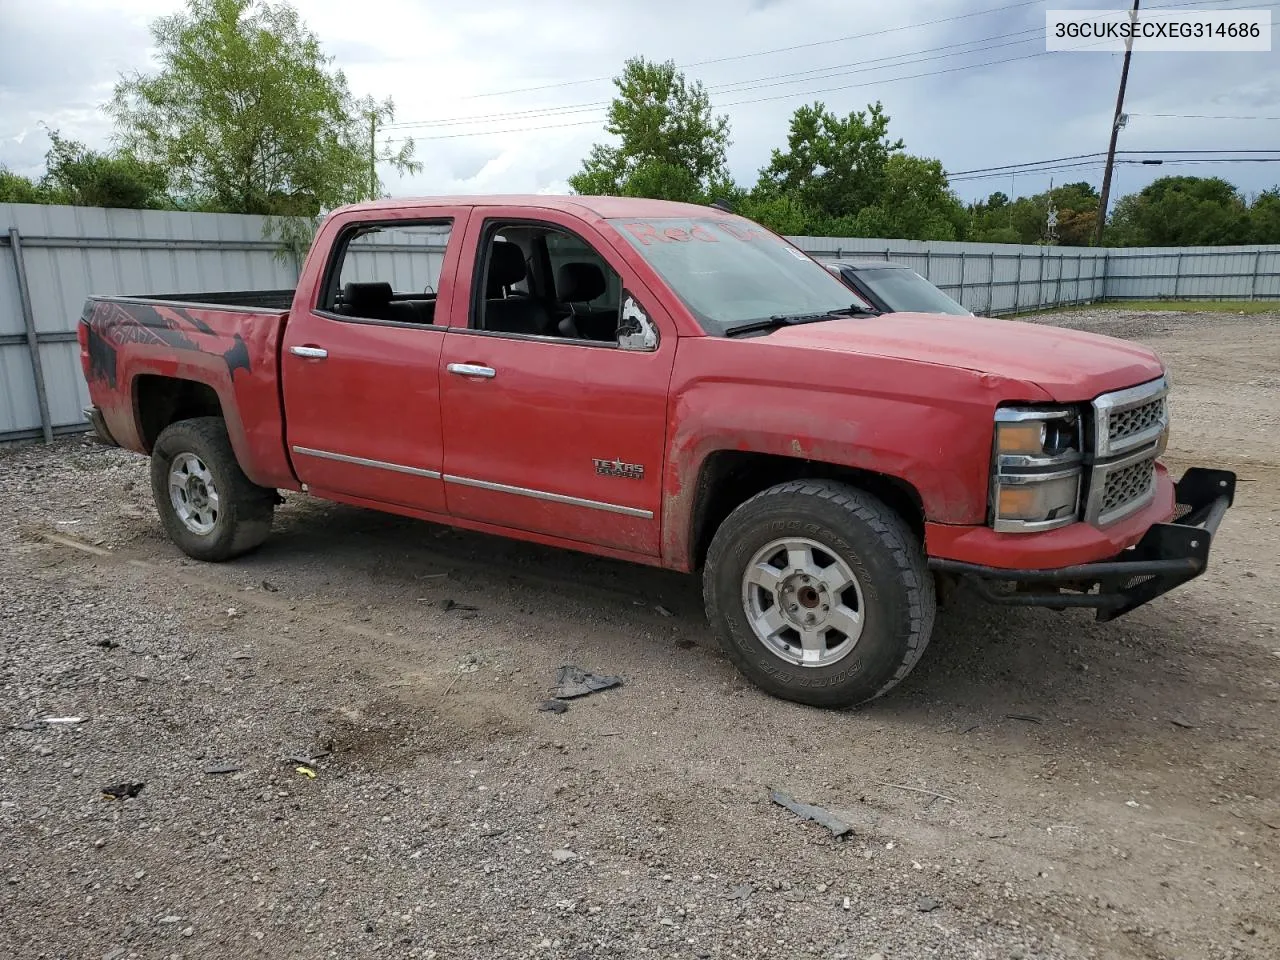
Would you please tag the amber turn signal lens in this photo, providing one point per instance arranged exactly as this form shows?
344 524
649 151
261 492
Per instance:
1025 438
1018 502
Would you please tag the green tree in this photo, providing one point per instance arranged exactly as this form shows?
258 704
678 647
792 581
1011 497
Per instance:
915 203
1181 211
1025 220
15 188
90 178
245 114
671 146
1264 217
832 166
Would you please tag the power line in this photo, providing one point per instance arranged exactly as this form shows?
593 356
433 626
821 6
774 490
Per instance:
1199 116
753 83
1099 164
550 112
765 53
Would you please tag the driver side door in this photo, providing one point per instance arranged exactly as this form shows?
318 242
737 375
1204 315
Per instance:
552 432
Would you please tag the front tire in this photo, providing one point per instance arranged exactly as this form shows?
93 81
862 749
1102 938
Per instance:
819 593
208 506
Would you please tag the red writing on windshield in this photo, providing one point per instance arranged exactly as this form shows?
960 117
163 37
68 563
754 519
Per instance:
648 233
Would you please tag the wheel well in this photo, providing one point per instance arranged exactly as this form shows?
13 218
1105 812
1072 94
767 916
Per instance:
731 477
160 401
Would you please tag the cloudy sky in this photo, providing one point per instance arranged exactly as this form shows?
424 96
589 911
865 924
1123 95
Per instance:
508 95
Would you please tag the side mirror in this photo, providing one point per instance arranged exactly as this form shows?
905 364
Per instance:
636 332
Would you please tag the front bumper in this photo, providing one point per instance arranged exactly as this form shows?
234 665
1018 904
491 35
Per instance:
1167 556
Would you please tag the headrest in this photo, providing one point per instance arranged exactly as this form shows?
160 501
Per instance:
365 296
506 264
579 282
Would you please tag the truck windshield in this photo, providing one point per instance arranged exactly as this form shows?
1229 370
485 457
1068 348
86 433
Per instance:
729 271
907 292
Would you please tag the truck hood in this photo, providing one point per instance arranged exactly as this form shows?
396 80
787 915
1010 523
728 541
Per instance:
1068 364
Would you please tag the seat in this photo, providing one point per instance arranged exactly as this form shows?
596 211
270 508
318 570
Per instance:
368 300
503 311
577 284
374 301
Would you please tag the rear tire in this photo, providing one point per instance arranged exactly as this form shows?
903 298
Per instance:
208 506
819 593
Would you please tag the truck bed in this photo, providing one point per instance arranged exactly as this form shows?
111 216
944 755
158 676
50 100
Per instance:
205 354
262 299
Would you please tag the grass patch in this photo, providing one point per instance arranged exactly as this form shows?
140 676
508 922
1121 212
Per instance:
1177 306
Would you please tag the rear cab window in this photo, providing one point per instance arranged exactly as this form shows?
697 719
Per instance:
386 272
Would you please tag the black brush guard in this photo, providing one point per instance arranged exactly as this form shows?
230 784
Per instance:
1167 556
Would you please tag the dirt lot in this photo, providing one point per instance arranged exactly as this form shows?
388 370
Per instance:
1110 790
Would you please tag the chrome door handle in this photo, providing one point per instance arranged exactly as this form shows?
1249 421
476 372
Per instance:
472 370
311 353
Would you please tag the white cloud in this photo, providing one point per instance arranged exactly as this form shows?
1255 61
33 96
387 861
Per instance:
445 62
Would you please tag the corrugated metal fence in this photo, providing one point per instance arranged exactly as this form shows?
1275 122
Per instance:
52 258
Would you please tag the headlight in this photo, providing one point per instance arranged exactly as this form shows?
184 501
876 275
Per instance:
1036 469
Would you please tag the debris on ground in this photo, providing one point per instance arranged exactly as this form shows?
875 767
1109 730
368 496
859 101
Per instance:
306 771
106 643
552 706
927 904
65 721
1029 718
1184 724
450 604
663 610
563 856
807 811
216 769
122 791
575 682
270 587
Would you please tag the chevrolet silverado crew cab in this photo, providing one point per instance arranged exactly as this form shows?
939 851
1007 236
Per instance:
673 385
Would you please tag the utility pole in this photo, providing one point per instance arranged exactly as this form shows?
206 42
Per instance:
373 156
1116 123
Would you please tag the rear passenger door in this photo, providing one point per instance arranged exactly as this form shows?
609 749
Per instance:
360 366
550 427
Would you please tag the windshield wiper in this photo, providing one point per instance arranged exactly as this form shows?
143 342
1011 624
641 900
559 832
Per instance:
794 319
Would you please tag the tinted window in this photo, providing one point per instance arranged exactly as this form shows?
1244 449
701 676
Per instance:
728 270
388 272
905 291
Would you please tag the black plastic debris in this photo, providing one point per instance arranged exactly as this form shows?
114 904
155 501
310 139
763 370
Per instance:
123 791
215 769
450 604
819 815
552 706
576 682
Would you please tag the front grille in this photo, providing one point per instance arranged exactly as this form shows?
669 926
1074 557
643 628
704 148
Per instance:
1128 423
1126 485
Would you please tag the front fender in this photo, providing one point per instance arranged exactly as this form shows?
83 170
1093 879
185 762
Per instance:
925 425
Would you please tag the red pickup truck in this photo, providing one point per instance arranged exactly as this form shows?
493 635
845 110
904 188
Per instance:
674 385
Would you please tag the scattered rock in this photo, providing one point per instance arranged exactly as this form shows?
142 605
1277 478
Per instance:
122 791
552 706
575 682
820 815
563 856
927 904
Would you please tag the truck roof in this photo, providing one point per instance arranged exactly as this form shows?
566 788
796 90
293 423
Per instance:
607 207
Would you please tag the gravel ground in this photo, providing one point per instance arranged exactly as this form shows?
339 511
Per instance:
390 789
